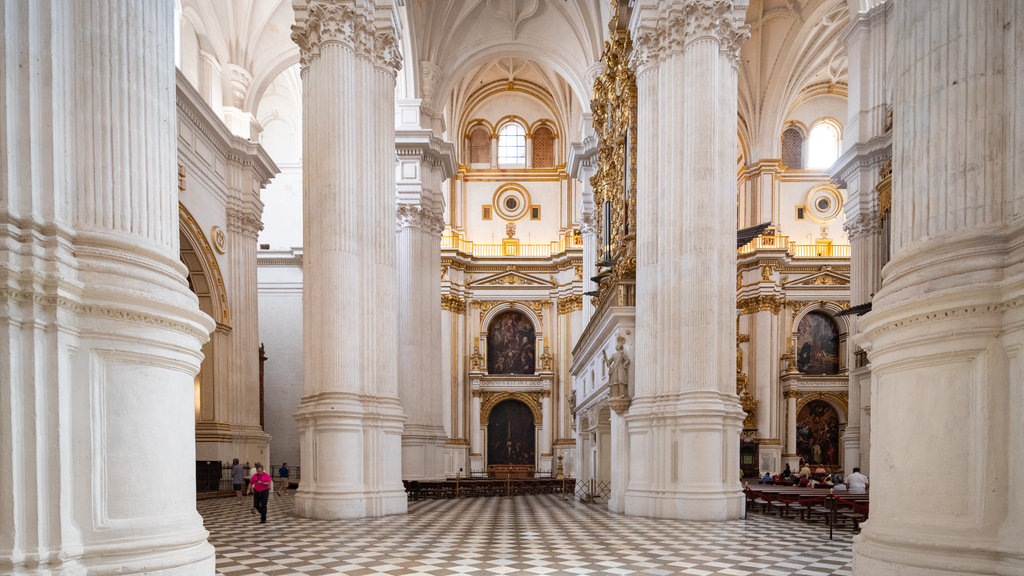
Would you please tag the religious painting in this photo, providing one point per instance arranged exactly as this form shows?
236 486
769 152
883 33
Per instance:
511 345
817 344
510 435
817 434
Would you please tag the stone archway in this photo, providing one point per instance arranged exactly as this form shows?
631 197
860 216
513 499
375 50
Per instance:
511 436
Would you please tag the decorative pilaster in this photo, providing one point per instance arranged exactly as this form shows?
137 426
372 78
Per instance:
946 329
350 419
249 442
685 421
101 336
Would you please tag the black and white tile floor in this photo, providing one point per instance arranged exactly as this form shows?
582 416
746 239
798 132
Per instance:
528 535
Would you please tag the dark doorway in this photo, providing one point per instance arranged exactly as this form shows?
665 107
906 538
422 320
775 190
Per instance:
510 435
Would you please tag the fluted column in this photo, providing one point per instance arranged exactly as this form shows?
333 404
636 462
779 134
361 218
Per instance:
101 336
947 327
685 420
420 385
791 457
350 419
249 442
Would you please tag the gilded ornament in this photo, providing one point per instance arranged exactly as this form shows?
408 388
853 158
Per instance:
453 303
760 303
488 400
570 303
219 239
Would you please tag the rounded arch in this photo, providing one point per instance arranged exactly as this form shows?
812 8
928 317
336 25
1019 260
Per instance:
818 342
511 345
531 399
820 420
497 309
835 124
197 243
836 400
478 122
512 119
543 123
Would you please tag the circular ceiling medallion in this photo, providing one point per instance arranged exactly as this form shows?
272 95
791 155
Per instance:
511 202
824 203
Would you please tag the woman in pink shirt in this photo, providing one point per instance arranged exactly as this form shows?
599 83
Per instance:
260 488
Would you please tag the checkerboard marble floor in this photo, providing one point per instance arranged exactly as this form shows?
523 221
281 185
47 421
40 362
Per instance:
528 535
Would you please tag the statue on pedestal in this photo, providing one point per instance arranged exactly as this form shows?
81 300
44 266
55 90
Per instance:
618 373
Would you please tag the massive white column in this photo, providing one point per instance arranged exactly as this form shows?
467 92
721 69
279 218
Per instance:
867 143
947 328
424 162
685 420
350 419
101 337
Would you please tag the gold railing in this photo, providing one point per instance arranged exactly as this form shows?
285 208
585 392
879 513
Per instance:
820 249
509 248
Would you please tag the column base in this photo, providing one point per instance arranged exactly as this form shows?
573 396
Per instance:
684 457
423 452
456 460
351 456
771 460
895 555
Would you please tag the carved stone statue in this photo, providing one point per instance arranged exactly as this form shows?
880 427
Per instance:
510 229
618 373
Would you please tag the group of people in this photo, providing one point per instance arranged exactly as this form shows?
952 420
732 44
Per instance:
259 485
855 483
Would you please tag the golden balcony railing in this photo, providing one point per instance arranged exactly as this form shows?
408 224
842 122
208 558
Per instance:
510 247
820 249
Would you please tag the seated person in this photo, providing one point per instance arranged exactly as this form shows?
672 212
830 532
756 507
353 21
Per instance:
804 481
767 479
787 472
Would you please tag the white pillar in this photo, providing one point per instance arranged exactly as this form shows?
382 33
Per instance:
494 150
685 420
241 383
947 328
529 153
419 341
101 336
791 457
350 419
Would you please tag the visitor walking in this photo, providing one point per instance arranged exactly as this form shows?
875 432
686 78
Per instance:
282 475
260 487
237 478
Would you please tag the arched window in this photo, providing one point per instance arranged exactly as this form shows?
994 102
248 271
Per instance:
817 344
480 146
543 148
823 146
512 144
511 344
793 149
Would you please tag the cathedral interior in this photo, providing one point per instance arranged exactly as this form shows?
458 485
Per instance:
651 250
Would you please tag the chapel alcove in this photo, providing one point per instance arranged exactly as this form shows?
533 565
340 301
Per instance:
817 434
511 441
511 344
817 344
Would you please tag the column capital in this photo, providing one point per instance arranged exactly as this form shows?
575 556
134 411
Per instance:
794 394
387 55
866 224
416 216
324 22
243 218
682 23
588 223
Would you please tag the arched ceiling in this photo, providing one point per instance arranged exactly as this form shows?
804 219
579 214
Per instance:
252 34
794 51
469 38
512 74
